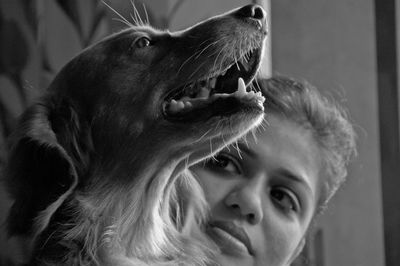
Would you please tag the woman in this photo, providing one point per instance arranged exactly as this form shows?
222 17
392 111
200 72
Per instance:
264 193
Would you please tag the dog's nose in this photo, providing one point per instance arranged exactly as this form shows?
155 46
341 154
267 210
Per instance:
252 11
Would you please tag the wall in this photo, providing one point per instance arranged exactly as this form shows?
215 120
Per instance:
332 45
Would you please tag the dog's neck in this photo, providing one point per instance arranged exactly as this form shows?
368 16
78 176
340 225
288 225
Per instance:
107 215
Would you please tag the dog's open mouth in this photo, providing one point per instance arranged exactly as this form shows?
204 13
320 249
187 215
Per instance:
220 93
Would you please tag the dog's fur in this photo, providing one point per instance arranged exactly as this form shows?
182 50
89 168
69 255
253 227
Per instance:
93 165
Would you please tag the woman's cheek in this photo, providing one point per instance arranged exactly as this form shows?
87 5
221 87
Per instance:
281 239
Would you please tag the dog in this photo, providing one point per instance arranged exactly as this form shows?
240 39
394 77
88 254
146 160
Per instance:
94 164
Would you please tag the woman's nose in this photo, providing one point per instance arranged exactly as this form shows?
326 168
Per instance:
246 202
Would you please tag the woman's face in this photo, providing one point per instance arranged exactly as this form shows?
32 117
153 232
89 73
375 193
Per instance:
262 198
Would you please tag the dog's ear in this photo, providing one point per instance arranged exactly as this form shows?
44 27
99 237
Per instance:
49 152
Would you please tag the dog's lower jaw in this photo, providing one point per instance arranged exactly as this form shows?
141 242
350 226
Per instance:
208 147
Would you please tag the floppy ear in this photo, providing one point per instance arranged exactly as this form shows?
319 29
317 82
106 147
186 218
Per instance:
46 158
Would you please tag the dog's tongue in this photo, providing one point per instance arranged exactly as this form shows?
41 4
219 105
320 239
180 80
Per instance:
187 104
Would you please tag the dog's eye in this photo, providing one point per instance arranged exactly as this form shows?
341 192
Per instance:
142 42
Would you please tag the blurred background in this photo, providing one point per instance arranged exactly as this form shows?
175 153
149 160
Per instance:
347 48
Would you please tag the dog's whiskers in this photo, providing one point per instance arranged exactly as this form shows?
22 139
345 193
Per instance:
264 124
222 136
205 48
211 146
217 126
237 54
146 14
137 19
245 140
236 146
205 41
216 59
224 55
186 162
253 87
134 20
119 15
236 62
124 22
205 134
187 60
197 69
232 50
253 133
241 52
198 53
219 53
257 86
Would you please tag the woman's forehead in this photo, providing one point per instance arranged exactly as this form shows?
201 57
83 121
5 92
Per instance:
284 144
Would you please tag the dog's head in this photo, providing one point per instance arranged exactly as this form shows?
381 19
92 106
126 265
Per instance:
139 105
143 89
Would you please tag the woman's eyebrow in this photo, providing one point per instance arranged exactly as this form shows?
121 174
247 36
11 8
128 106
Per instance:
298 179
285 172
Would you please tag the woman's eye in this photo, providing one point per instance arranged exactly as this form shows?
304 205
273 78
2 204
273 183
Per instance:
224 162
285 199
142 42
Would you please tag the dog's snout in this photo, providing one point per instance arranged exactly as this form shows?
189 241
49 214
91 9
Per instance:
252 11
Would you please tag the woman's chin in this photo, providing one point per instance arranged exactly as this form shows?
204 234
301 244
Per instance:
226 259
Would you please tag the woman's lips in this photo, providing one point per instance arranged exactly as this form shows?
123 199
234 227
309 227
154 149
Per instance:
230 238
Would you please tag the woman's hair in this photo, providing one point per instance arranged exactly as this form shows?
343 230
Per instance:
302 103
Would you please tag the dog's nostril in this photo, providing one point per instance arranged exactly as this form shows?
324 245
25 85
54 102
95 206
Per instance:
235 206
252 11
251 217
258 13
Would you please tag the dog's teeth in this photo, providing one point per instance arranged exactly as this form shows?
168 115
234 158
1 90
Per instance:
250 94
180 104
187 104
175 106
213 81
241 91
204 93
